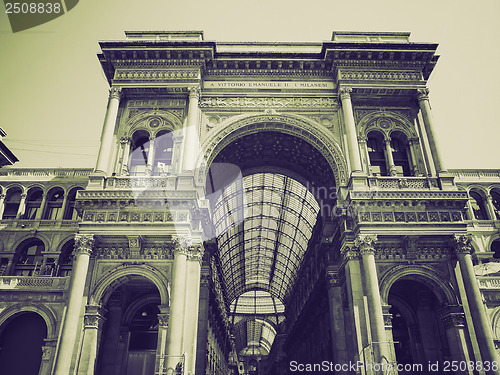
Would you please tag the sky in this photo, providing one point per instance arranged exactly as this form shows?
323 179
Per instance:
53 94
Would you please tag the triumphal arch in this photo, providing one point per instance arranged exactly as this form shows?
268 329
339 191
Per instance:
270 208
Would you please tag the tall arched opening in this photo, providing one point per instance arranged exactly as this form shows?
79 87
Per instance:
21 341
132 327
272 195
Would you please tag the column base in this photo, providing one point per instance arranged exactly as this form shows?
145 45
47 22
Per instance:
358 181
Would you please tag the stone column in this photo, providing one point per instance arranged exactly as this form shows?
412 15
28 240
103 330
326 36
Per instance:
356 327
178 299
350 129
161 347
151 156
60 214
93 321
412 145
124 167
470 211
108 129
366 157
491 208
453 320
337 322
380 344
71 326
391 167
191 141
22 206
425 108
481 322
177 153
194 259
388 332
2 205
40 211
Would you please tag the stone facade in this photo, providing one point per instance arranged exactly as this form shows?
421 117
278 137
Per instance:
255 208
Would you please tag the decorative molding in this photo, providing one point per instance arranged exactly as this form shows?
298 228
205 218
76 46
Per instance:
349 253
379 75
156 74
194 92
269 102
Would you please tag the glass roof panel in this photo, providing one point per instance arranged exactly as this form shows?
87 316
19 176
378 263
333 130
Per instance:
263 227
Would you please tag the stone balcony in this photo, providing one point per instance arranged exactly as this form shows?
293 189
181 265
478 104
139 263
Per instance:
39 224
34 283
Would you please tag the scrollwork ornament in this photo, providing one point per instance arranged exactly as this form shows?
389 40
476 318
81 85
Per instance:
333 279
423 94
463 243
365 244
345 93
84 243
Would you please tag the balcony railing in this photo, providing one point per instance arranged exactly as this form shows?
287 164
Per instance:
45 283
402 182
488 282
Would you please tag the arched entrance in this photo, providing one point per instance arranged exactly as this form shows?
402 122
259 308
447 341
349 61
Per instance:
131 331
418 330
21 341
272 189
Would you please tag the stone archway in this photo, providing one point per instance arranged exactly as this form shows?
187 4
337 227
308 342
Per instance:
297 126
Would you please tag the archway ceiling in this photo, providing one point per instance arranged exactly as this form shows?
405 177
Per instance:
263 224
274 149
254 337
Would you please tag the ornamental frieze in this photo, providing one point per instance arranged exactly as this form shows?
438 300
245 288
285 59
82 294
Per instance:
156 103
266 102
155 74
356 75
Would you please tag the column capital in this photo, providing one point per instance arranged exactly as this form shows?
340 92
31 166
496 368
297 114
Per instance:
84 243
94 316
2 196
365 244
349 253
452 316
115 93
163 320
24 195
194 92
196 252
345 93
125 140
462 243
423 94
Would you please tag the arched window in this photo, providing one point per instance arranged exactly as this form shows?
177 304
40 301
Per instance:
495 199
69 211
376 154
33 203
28 257
164 144
478 207
65 263
139 150
12 201
55 200
400 153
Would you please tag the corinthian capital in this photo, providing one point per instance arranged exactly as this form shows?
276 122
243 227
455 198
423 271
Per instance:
115 93
345 93
366 244
84 243
463 243
196 252
423 94
194 91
